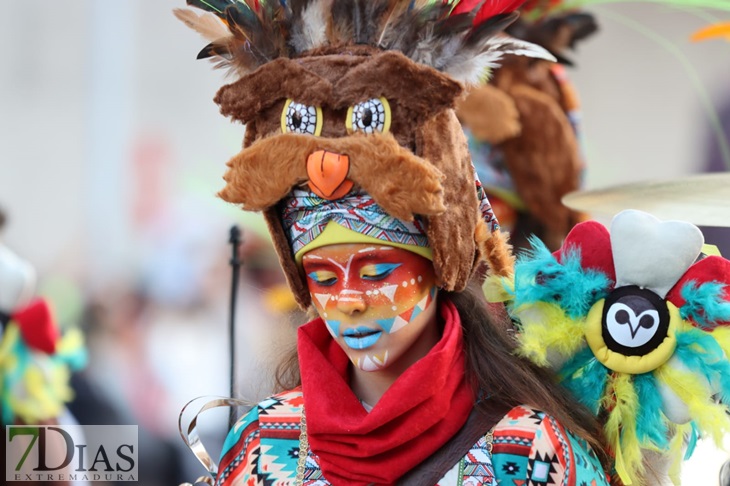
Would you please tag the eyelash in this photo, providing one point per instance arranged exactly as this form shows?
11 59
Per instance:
328 282
383 270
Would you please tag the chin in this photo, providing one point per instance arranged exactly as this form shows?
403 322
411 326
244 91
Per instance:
368 362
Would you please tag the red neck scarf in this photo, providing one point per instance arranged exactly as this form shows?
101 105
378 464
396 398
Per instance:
418 414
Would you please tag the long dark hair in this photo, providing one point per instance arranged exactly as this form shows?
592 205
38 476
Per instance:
496 372
503 377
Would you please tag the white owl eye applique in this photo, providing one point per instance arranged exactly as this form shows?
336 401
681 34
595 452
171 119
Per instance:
632 330
635 321
369 116
301 118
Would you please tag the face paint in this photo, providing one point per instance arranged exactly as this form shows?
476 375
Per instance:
375 300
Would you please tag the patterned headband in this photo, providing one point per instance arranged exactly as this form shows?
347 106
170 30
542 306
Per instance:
305 216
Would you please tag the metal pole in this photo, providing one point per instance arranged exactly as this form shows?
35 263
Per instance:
235 262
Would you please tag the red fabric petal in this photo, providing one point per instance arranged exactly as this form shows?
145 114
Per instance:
37 326
594 243
709 269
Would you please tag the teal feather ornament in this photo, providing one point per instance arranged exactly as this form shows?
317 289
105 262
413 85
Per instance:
704 303
543 279
649 330
586 378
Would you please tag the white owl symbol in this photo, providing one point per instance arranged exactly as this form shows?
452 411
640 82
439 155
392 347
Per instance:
629 329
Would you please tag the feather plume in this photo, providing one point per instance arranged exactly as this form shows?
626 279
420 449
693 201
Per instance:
340 28
205 24
309 24
471 65
431 32
414 27
215 6
396 8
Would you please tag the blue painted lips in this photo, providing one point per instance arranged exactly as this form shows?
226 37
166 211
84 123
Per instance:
361 337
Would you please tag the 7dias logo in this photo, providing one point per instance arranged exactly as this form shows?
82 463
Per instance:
71 453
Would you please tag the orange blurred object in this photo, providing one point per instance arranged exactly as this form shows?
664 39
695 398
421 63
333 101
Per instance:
711 32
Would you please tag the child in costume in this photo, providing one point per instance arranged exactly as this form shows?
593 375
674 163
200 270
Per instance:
354 154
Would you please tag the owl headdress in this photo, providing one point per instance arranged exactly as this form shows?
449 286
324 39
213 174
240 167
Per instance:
636 322
348 113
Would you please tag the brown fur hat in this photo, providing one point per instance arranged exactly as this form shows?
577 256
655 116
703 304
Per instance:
304 82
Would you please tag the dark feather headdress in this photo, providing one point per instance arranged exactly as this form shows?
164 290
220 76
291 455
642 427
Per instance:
461 38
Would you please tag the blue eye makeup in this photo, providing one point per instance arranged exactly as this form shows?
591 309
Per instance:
378 271
325 279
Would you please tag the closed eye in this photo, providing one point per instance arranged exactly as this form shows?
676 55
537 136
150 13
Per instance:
378 271
326 279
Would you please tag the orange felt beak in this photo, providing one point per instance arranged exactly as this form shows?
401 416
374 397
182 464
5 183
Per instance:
327 172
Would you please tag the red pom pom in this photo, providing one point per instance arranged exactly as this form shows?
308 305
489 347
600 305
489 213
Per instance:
37 327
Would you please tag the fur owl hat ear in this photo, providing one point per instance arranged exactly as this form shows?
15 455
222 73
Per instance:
353 97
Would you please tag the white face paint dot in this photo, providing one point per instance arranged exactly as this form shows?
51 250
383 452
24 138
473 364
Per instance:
368 292
376 292
413 281
325 314
420 279
333 297
394 308
405 284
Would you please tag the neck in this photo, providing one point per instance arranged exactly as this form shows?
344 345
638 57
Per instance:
370 386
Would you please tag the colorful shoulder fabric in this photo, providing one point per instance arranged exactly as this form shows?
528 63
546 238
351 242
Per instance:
35 360
636 322
528 447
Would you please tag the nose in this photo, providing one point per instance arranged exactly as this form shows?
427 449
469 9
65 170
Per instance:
327 172
351 302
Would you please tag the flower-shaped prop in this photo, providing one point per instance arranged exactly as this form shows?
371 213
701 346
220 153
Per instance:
637 326
35 360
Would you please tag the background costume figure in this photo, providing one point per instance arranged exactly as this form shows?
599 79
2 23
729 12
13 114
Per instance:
355 156
36 361
524 128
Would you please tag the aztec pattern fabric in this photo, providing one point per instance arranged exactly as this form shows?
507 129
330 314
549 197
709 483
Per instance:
484 206
529 449
305 216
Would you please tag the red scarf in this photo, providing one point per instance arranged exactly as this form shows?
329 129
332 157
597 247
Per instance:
418 414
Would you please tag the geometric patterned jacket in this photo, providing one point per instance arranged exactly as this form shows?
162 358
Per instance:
529 448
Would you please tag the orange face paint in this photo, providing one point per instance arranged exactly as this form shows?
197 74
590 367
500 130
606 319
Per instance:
370 297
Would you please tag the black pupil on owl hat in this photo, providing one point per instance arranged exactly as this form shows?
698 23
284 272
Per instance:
296 119
367 117
635 321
